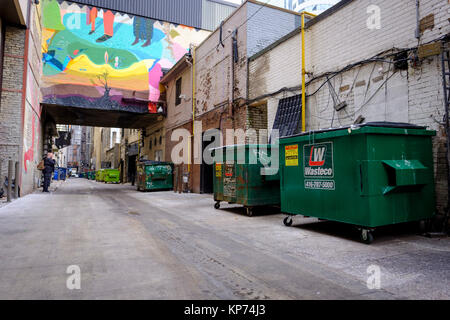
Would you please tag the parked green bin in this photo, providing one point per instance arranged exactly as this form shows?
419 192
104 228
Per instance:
111 175
154 175
368 175
99 175
246 181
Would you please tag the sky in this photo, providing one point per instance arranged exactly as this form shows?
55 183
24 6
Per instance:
272 2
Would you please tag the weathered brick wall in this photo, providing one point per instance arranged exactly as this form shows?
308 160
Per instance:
11 97
373 90
32 133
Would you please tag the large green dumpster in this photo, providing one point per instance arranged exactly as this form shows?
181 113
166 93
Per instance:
246 181
111 175
368 175
154 175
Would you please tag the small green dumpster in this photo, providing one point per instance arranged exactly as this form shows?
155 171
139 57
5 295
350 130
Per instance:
154 175
111 175
99 175
367 175
248 180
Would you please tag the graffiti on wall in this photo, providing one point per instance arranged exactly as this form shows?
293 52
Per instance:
100 58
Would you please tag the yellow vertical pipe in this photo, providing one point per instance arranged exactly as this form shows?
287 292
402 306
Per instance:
303 74
193 106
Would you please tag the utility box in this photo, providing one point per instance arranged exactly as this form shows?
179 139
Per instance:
368 175
241 177
111 175
154 175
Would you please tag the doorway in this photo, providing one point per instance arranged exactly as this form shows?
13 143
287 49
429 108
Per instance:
132 169
206 170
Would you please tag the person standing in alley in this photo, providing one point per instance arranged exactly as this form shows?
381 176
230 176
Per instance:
49 168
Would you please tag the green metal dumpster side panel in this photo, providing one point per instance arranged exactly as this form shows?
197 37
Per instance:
241 182
111 175
379 176
157 176
99 175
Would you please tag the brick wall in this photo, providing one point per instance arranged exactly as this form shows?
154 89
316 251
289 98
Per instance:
372 90
11 97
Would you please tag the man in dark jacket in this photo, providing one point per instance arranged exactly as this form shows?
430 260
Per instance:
49 168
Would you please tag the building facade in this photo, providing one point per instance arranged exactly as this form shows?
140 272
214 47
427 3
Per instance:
377 72
209 86
20 75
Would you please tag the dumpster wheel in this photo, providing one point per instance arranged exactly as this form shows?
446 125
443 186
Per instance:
249 211
366 236
287 221
217 205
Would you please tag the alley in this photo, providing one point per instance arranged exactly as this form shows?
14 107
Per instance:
163 245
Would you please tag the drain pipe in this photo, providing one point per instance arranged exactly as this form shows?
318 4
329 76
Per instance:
190 148
24 88
418 20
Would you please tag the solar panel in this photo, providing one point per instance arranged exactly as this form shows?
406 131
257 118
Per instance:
288 116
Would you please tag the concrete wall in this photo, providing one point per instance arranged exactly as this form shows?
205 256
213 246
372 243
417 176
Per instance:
372 90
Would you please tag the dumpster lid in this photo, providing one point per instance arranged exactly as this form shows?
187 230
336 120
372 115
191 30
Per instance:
241 145
153 162
382 124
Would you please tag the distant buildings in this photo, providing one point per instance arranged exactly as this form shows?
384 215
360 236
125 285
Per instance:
312 6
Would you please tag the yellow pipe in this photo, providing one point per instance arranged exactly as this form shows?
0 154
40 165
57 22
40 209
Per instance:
193 106
304 69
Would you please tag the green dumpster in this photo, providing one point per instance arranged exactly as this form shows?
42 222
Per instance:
246 181
99 175
367 175
111 175
154 175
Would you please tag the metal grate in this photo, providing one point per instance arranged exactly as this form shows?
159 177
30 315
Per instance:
288 116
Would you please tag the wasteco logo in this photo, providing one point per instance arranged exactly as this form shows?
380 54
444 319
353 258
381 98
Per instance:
318 160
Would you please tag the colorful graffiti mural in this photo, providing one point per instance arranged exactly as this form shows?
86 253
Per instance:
104 59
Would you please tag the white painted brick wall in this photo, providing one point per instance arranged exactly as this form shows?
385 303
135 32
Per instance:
341 39
414 96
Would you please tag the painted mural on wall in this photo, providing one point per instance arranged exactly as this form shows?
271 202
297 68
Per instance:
98 58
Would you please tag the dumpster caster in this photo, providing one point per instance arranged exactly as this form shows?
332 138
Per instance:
249 211
287 221
217 205
366 236
424 226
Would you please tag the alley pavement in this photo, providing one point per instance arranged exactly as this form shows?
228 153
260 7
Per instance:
164 245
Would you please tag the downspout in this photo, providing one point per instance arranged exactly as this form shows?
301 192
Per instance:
418 20
233 61
191 151
304 69
2 51
24 88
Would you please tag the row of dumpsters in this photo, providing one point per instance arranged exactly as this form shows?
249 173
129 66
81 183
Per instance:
367 175
151 176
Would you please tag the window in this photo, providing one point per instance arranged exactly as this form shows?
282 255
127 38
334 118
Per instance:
178 92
